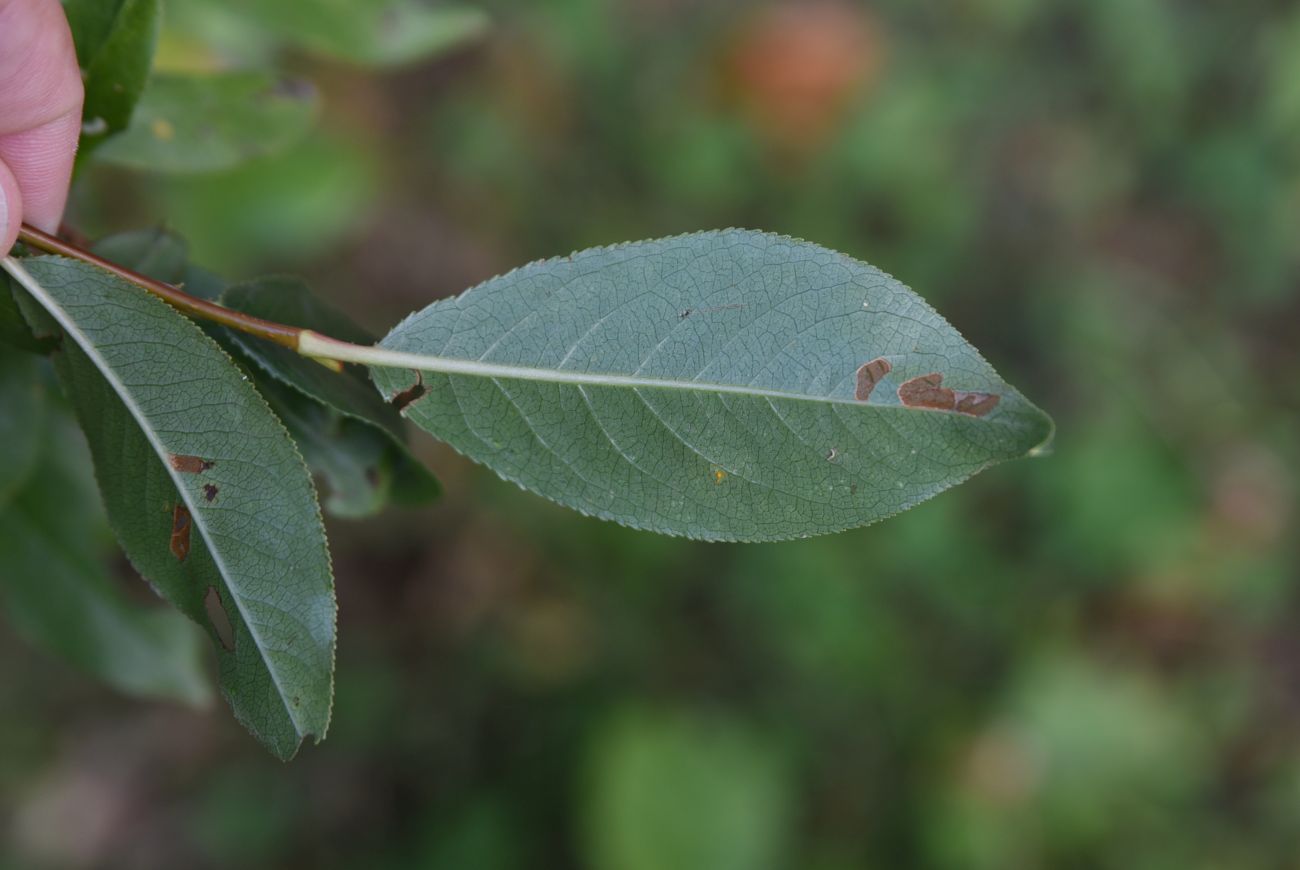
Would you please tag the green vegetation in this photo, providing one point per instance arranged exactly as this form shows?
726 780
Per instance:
1082 661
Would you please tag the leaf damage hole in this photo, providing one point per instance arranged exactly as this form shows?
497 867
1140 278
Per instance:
870 374
210 491
410 394
219 618
928 391
180 540
189 464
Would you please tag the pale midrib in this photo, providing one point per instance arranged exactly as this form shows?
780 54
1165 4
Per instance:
50 304
313 344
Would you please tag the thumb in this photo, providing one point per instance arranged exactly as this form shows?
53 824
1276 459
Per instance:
11 209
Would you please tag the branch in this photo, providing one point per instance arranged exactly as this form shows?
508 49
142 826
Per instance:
282 334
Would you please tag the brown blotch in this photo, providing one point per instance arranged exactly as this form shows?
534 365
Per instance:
976 404
189 464
210 491
928 391
869 374
218 617
410 394
180 541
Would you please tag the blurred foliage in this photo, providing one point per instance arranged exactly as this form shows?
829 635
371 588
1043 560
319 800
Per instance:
1084 661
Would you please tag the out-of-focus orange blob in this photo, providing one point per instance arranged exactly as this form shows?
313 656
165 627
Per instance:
796 67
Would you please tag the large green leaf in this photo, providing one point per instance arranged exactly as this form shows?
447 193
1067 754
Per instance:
204 489
372 32
728 385
205 123
115 42
57 594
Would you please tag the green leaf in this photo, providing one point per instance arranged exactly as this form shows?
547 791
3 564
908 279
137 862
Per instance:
58 595
374 33
287 300
115 42
707 386
345 431
206 123
156 252
353 437
22 417
204 490
362 466
14 330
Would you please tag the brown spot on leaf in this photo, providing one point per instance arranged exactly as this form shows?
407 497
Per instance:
928 391
210 491
410 394
189 464
869 374
219 618
976 404
180 541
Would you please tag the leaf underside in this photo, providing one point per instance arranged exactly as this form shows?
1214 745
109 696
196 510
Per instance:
708 386
204 490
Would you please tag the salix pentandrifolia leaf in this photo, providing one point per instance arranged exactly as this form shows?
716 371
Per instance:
56 591
206 123
204 489
729 385
115 41
156 252
355 439
375 33
15 333
22 417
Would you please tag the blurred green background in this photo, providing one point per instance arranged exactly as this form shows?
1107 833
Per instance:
1088 660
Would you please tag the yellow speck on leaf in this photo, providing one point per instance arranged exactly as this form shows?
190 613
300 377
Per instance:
162 130
719 475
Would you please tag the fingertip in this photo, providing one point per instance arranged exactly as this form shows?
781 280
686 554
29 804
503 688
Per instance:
11 209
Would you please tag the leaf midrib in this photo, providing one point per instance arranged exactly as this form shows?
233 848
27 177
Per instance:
387 358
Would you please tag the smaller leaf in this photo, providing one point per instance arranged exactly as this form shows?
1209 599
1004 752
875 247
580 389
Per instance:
354 438
115 46
362 466
15 332
157 253
59 597
207 123
204 489
382 33
22 420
